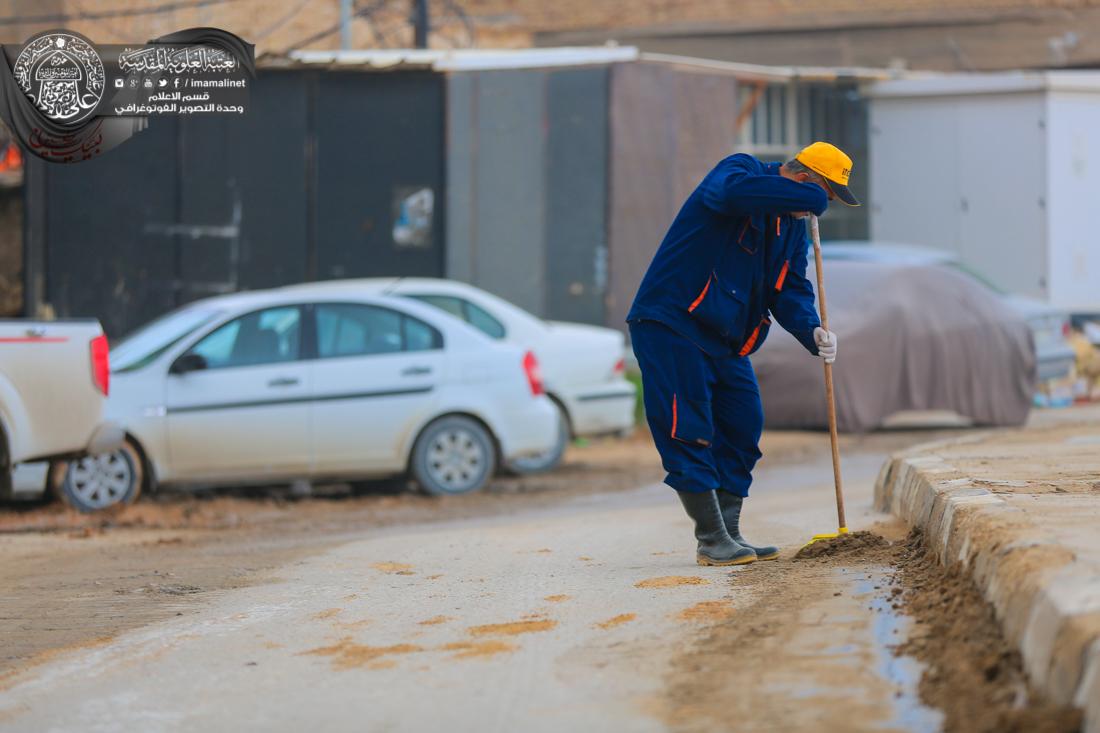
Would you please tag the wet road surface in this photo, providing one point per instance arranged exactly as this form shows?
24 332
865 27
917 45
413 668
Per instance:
586 615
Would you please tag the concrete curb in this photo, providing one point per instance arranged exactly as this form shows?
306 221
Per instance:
1048 604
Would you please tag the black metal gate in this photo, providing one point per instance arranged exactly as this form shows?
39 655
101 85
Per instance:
327 175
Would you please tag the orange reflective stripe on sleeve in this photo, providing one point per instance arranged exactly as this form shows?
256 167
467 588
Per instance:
752 339
699 299
777 226
782 275
673 414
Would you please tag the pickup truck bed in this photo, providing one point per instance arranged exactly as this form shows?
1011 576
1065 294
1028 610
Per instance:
54 379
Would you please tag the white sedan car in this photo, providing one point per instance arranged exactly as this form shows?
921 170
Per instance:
583 365
313 383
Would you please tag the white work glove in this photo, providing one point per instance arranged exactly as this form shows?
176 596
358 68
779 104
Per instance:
826 344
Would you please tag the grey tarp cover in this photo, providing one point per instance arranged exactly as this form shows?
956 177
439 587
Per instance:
910 338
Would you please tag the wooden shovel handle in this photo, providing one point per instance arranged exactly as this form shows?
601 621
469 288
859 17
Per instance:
830 401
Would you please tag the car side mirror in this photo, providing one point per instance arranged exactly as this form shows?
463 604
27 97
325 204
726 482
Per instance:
190 362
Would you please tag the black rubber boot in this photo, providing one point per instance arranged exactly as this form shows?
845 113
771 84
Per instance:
715 545
731 514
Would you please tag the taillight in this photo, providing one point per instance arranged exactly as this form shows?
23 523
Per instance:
101 364
1067 329
619 368
534 374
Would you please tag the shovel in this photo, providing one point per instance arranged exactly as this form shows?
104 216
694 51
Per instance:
830 402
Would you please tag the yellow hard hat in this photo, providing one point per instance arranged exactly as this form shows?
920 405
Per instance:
833 164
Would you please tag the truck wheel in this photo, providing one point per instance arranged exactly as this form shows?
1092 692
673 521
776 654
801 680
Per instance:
96 482
453 455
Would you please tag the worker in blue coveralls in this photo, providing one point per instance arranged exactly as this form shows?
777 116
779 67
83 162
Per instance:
734 257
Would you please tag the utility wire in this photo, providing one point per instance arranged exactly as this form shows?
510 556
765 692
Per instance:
281 21
361 12
379 34
170 7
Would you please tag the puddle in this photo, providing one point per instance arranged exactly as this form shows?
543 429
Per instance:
889 628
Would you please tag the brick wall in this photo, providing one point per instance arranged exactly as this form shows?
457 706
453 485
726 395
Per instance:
279 26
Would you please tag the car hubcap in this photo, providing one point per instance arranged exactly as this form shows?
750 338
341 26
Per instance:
456 459
102 480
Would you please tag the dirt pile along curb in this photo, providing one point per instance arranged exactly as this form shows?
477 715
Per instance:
966 495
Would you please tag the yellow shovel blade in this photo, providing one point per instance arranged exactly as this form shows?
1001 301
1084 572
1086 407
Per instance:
829 536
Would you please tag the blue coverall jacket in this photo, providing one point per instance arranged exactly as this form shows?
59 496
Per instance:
732 258
732 255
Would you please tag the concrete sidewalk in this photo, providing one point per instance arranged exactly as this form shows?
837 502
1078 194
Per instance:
1020 510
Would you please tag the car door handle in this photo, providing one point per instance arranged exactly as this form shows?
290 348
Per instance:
283 382
415 371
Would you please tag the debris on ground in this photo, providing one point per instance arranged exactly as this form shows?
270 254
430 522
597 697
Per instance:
671 581
512 628
857 544
963 648
622 618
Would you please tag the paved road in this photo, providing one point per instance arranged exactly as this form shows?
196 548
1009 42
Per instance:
558 619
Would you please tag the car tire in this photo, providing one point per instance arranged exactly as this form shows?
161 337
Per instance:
549 459
453 455
94 483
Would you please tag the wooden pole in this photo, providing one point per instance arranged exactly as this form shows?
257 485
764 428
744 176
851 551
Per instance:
830 401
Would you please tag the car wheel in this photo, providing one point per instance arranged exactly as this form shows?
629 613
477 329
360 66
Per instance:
453 455
96 482
548 459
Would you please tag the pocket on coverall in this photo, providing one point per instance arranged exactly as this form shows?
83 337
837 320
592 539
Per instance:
691 421
719 307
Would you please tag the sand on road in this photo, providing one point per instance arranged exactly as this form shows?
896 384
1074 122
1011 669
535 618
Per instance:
575 614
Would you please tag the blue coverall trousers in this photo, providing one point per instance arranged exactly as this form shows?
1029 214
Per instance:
704 412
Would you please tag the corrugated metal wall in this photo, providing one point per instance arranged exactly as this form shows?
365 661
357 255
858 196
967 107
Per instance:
97 255
496 153
379 142
576 195
307 185
527 182
549 187
668 128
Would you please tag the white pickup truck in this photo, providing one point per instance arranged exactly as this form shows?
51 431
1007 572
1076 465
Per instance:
54 379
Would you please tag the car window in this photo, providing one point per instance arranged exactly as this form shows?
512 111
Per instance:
150 341
268 336
473 314
443 302
349 329
419 336
480 319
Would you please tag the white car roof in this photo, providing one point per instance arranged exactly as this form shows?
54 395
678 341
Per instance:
326 292
402 284
512 314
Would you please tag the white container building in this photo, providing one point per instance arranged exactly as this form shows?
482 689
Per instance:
1002 169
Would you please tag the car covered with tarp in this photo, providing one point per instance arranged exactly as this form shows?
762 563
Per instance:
912 338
